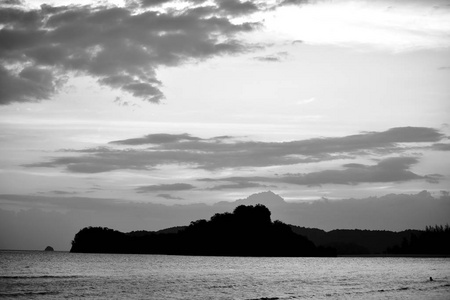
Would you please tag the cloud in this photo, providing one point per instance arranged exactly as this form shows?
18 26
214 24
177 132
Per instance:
293 2
236 7
277 57
227 152
147 3
169 197
102 161
61 193
392 169
59 203
121 47
30 84
441 147
157 138
165 187
392 212
11 2
238 185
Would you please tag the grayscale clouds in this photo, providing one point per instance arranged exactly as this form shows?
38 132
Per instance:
165 187
169 197
276 57
309 99
228 153
121 47
158 138
393 169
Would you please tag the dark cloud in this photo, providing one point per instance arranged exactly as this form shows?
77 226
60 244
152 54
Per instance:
434 178
56 203
124 103
101 161
61 193
11 2
269 58
169 197
393 169
165 187
293 2
147 3
227 152
157 138
238 185
441 147
277 57
119 46
166 138
31 84
19 18
236 7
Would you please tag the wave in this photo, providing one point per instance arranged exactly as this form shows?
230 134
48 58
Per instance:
221 286
27 294
433 287
417 288
391 290
39 277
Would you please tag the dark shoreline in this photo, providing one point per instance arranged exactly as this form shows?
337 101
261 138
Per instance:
400 255
338 256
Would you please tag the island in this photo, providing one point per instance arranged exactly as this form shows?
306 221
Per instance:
48 248
247 231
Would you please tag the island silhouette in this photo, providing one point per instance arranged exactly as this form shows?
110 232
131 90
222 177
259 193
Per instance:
433 241
247 231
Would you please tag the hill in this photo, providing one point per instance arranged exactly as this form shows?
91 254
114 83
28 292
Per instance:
355 241
247 231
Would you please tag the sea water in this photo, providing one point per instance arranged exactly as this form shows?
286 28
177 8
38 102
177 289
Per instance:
59 275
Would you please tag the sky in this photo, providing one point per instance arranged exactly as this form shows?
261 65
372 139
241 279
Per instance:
146 114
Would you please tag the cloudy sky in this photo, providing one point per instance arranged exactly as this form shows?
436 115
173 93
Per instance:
173 102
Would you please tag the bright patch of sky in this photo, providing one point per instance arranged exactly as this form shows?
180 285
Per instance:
384 25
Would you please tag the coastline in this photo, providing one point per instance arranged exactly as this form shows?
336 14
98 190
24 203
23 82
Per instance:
399 255
338 256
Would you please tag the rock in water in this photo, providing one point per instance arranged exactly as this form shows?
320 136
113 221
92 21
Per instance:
48 248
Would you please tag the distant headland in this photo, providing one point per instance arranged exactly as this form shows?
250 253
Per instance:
247 231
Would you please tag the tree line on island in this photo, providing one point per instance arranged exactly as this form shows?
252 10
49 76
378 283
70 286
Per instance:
249 231
434 241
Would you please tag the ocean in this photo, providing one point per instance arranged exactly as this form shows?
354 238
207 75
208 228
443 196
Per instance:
64 275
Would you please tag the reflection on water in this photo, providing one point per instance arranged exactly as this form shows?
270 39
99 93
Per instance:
55 275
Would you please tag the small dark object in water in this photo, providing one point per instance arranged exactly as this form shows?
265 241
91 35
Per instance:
431 278
48 248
